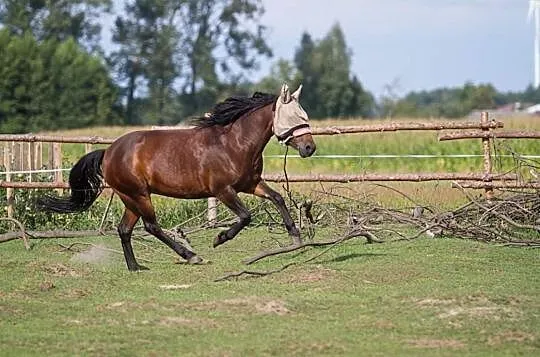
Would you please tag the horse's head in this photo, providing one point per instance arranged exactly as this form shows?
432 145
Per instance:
291 122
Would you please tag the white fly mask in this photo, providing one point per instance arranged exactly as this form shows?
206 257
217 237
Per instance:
290 119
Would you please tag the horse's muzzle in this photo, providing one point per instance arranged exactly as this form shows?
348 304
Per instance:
306 149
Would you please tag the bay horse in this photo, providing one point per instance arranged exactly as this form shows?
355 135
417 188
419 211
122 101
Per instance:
220 157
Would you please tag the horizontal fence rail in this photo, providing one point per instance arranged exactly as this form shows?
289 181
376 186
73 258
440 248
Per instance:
484 129
334 130
490 135
320 178
378 128
491 185
31 138
383 177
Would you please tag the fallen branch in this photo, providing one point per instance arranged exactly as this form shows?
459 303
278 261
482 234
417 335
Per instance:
21 234
291 248
331 244
6 237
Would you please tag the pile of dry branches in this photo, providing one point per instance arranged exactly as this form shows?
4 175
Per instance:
511 218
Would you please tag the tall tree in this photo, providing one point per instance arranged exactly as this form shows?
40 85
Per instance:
219 36
307 73
46 85
325 70
281 72
56 19
145 59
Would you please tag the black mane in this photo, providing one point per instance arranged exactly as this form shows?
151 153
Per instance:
233 108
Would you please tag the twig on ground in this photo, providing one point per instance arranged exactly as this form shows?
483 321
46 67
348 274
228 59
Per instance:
22 234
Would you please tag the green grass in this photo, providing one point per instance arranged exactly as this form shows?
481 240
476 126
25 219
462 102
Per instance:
427 297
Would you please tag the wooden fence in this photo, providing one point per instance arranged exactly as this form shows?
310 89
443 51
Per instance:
30 154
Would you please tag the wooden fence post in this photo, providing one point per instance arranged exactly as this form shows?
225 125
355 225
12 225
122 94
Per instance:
486 146
9 191
57 165
212 211
30 160
39 155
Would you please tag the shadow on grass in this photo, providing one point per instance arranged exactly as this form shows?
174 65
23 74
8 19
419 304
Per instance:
343 258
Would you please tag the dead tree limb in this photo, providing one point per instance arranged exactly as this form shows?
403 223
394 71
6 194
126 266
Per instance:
330 245
371 238
21 234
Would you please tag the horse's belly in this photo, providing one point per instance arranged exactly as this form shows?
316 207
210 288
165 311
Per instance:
179 185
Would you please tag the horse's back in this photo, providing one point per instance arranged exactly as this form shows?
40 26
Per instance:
166 162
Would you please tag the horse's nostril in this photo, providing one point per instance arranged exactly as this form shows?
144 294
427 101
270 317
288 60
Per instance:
308 148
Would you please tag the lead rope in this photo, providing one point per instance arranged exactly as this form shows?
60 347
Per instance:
286 187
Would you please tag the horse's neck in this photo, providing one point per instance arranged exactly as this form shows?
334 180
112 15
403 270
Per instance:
255 132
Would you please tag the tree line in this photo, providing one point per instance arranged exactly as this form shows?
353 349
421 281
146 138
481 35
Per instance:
173 59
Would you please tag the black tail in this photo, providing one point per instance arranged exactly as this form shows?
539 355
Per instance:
85 181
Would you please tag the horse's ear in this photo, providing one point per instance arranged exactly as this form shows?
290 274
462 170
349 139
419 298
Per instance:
296 95
285 94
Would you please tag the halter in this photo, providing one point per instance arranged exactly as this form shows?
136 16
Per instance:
294 132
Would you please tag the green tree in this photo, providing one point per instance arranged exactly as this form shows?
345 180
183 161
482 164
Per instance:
155 61
145 61
282 71
210 27
448 102
56 19
307 73
46 85
324 68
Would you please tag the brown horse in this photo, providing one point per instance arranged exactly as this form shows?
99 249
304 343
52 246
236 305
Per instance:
220 157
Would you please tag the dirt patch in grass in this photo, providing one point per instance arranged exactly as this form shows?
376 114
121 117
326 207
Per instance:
473 307
494 313
248 304
57 269
434 343
511 336
429 302
172 321
276 307
75 293
9 310
384 324
310 348
310 276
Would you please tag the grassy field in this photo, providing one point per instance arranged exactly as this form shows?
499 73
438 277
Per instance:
425 297
442 297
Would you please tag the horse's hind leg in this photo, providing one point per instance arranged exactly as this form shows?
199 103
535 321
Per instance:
230 198
125 228
144 207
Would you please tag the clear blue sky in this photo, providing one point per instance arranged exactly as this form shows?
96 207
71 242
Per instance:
424 43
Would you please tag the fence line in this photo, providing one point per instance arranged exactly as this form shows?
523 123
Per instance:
395 156
490 135
420 177
333 130
30 157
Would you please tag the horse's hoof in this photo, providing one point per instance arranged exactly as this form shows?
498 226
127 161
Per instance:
221 238
196 260
138 267
297 241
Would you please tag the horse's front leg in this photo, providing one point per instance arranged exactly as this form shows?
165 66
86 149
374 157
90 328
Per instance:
265 191
230 198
